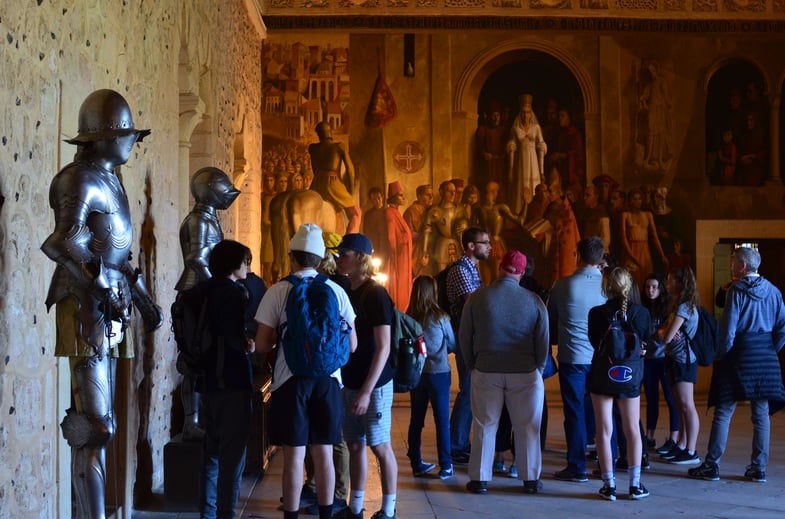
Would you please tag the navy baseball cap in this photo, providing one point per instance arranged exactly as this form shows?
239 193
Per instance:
356 242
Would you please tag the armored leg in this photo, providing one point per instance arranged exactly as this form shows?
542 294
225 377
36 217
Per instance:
190 398
88 429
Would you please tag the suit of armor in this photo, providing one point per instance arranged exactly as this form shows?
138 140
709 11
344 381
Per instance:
199 233
94 285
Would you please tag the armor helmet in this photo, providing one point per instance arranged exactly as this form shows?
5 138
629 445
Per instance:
105 114
211 186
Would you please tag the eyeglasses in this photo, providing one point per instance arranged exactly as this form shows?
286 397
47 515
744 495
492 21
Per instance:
486 242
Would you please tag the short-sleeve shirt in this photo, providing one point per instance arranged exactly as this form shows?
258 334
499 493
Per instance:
374 308
462 279
676 349
272 313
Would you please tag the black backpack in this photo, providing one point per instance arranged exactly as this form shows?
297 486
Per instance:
192 330
704 345
617 365
407 348
407 351
441 288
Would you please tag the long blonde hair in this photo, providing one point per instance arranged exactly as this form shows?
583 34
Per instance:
423 305
618 284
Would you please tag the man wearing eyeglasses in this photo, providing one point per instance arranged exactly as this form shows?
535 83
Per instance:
463 279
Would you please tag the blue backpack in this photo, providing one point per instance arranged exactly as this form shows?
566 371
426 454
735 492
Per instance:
314 338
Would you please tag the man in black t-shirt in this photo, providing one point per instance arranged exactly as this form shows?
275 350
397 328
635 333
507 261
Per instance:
367 377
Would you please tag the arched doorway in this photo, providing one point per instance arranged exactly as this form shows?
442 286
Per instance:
507 70
554 93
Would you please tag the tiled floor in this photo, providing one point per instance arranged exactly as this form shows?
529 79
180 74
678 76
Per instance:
672 493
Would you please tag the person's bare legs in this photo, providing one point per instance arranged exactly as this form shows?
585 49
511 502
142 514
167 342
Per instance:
603 415
630 410
292 479
324 472
388 465
358 465
690 421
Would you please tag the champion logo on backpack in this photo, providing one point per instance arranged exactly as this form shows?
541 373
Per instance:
314 338
617 365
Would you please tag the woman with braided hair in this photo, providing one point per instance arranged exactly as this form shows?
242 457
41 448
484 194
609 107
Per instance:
617 286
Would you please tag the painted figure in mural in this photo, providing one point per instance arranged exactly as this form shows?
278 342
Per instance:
94 285
752 154
414 216
569 156
727 155
665 225
327 158
566 235
637 228
266 256
550 129
526 149
440 247
491 215
594 220
655 101
617 206
464 215
199 233
375 204
491 139
395 248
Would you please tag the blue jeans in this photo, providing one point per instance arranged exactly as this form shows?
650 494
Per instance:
227 421
461 418
718 438
433 387
653 377
572 380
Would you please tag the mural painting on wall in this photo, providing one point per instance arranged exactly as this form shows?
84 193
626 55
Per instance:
653 126
530 166
737 132
529 171
305 141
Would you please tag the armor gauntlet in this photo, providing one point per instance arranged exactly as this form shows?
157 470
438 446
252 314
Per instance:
151 313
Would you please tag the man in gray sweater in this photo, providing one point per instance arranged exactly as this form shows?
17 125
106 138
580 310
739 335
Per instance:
504 342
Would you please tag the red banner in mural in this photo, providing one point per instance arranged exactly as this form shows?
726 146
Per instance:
382 108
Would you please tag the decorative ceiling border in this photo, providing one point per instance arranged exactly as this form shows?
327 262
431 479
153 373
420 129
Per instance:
533 23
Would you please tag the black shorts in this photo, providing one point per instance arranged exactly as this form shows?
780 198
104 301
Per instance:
306 411
680 371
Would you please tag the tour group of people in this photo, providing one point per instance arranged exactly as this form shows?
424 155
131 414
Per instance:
501 335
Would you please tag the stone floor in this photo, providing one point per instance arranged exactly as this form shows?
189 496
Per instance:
672 493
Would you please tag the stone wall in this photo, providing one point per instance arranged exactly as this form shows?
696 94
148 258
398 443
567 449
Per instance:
52 54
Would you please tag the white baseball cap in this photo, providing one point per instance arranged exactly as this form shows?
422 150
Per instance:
308 238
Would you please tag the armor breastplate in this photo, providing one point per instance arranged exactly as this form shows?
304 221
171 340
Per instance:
443 221
199 233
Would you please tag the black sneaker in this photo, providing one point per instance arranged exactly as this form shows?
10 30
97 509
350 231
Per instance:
338 506
708 471
639 492
675 451
665 447
477 487
608 492
685 458
645 465
651 444
570 475
755 474
532 487
422 469
460 458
